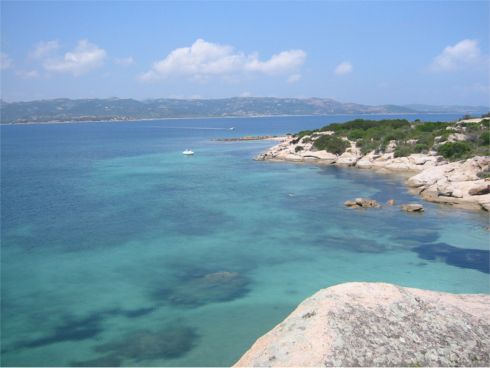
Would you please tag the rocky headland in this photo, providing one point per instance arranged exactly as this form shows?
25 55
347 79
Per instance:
377 324
449 162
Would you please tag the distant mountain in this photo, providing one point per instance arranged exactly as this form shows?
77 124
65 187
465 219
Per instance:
59 110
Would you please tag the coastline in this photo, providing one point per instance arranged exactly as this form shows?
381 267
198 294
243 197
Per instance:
218 117
429 176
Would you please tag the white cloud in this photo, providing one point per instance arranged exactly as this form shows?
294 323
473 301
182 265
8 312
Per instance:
463 54
343 68
204 59
294 78
27 74
85 57
127 61
43 49
5 61
245 94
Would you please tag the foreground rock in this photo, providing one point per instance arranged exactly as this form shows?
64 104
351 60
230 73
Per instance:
376 324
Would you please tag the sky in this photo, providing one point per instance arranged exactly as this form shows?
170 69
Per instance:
371 52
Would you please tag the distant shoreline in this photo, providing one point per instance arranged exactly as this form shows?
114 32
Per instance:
217 117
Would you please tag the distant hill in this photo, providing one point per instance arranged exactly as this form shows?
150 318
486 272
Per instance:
59 110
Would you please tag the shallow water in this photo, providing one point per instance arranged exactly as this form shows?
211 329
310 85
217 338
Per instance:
119 250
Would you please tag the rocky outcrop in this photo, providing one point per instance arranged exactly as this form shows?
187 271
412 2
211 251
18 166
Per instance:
362 203
455 183
376 324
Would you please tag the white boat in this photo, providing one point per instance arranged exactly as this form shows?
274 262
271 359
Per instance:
232 128
188 152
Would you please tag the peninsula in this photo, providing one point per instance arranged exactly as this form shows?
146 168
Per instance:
451 160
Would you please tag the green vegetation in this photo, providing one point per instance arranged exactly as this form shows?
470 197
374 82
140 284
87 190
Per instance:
298 148
454 150
408 137
331 144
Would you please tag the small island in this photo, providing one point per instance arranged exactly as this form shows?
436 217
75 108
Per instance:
451 160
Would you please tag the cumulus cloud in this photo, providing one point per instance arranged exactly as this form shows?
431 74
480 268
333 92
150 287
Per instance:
463 54
343 68
85 57
127 61
5 61
204 59
43 49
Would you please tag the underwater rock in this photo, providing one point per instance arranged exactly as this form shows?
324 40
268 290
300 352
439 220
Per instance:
391 202
170 342
476 259
412 207
203 289
70 330
362 324
105 361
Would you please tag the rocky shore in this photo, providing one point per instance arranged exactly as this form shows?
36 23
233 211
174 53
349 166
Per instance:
377 324
458 183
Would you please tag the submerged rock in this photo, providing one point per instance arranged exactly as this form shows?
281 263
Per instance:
170 342
197 290
412 207
377 324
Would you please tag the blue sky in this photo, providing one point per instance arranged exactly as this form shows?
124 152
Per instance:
376 52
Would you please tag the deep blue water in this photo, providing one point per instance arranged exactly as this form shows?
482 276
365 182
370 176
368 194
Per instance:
118 250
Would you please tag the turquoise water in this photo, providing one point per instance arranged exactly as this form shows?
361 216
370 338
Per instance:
119 250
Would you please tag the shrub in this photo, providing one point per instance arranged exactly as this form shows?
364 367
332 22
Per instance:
484 139
430 127
421 147
454 150
331 144
355 134
404 150
298 148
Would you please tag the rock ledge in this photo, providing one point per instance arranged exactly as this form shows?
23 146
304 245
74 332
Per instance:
377 324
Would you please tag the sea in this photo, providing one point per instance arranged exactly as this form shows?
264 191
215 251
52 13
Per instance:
118 250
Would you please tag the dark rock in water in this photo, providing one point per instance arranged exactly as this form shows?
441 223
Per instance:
135 313
171 342
105 361
484 189
70 330
475 259
203 289
412 207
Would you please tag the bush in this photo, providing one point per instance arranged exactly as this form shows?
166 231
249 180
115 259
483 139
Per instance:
454 150
331 144
404 150
484 139
432 126
421 147
298 148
